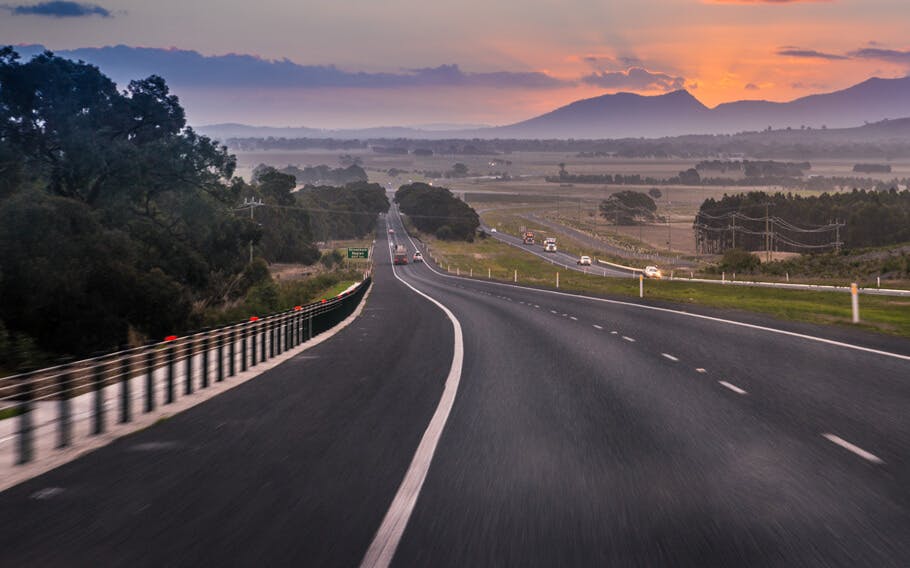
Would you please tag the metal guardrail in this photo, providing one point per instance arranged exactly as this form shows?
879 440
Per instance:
142 378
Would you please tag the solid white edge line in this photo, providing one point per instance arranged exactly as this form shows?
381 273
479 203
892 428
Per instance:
733 387
691 315
670 357
853 448
388 536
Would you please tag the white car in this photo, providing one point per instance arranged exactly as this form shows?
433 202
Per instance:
493 230
584 260
653 272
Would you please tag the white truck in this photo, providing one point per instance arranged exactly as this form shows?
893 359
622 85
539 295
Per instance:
549 244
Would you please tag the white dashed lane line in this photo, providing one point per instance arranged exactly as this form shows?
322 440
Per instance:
853 448
573 318
700 370
670 357
732 387
614 332
595 326
553 311
629 339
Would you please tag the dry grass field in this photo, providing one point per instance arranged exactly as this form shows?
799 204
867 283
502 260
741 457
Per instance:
575 205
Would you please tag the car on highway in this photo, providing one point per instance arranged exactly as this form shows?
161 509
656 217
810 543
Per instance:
493 230
584 260
418 257
391 231
653 272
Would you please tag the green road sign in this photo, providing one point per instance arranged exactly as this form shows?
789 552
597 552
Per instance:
358 253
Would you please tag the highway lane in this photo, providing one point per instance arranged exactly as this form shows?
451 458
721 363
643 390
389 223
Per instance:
593 433
560 258
296 467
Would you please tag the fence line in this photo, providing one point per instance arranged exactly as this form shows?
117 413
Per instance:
114 387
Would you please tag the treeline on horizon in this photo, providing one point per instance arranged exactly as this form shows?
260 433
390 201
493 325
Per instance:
869 219
119 224
778 144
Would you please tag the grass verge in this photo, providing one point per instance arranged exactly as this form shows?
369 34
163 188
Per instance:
883 314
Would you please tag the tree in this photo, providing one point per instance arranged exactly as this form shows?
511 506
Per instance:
628 207
115 215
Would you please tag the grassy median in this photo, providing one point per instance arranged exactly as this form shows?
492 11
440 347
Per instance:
884 314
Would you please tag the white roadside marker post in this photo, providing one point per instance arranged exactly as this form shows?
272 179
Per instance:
557 281
489 274
641 285
854 301
515 277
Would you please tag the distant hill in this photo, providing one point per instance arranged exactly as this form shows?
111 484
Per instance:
630 115
627 115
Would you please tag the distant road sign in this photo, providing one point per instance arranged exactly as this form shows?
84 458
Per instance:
358 252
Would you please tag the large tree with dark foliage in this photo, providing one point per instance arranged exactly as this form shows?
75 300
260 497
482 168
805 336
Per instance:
114 216
435 210
343 212
628 207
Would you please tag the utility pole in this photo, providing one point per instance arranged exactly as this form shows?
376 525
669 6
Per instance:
669 232
837 235
251 204
767 232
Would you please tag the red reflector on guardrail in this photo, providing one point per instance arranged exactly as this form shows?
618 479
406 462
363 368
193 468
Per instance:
297 308
170 338
254 318
323 301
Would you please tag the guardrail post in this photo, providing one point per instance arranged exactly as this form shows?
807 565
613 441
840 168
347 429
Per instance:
98 384
188 384
26 430
231 347
150 380
272 333
220 376
126 411
243 351
65 425
262 353
169 390
310 326
205 361
253 338
854 301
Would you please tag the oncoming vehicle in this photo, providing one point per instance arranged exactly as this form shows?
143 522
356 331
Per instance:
400 256
584 260
418 257
391 231
493 230
549 244
653 272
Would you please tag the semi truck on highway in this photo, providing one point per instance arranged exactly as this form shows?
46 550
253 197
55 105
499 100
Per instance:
400 255
528 237
549 244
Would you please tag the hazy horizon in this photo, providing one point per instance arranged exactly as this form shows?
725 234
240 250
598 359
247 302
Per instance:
358 66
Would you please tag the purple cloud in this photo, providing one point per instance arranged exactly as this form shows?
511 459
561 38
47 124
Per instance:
892 55
635 78
59 9
809 54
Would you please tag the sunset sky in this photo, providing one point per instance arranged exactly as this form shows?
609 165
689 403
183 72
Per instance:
470 61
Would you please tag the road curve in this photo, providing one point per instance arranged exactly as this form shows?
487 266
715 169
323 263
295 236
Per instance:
593 433
583 432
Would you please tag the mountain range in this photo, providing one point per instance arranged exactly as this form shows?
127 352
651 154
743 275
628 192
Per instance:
628 115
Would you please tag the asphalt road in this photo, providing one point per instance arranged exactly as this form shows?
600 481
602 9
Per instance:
583 433
560 258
